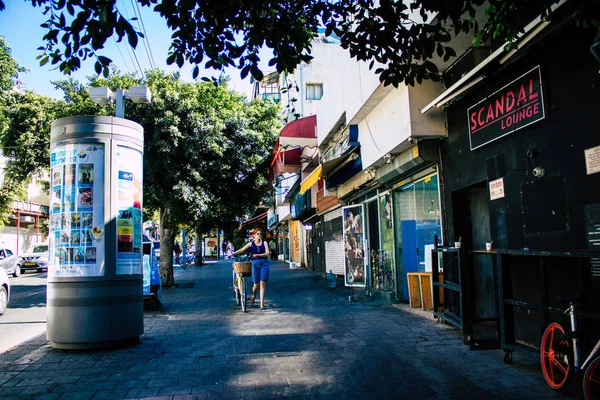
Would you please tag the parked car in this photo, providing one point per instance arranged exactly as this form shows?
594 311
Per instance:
35 258
9 262
4 291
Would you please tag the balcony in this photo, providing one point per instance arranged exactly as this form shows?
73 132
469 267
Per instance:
274 97
28 208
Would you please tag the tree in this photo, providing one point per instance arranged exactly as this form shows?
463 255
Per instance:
400 38
205 147
9 67
205 152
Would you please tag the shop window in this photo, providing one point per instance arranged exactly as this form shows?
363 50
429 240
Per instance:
314 91
384 275
417 221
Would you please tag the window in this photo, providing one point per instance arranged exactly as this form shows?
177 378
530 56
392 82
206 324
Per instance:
314 91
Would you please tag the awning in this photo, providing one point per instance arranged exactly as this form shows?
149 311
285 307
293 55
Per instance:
311 179
475 75
331 166
306 214
293 142
254 222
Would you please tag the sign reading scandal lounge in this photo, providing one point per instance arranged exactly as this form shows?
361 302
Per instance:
515 106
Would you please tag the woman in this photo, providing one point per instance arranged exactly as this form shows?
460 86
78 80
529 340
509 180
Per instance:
259 252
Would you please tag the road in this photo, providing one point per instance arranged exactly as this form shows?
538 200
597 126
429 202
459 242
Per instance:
26 314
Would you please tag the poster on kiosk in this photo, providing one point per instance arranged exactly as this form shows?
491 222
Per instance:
354 246
129 166
76 240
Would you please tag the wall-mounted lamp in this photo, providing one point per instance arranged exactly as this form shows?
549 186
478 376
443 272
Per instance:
413 140
370 171
538 172
387 158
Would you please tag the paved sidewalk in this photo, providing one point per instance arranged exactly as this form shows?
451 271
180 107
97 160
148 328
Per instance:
311 343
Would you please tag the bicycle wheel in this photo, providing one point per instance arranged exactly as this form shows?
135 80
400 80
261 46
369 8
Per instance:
244 298
554 356
591 380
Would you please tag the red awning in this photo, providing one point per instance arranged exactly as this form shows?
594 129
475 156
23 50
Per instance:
305 127
254 222
293 138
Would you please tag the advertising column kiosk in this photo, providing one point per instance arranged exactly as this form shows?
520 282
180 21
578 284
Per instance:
94 294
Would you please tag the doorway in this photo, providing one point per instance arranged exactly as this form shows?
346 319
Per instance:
373 236
470 209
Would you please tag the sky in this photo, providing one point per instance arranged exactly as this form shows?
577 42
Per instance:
20 25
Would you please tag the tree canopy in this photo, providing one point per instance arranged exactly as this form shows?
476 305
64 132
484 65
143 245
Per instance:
400 38
206 147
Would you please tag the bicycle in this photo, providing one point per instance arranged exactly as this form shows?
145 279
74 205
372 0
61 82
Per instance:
560 355
186 260
241 269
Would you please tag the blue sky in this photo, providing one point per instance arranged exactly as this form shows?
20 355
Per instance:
20 25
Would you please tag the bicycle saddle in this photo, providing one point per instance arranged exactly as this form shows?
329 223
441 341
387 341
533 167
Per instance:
569 297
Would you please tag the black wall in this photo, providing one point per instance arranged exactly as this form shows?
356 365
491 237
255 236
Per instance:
538 213
551 212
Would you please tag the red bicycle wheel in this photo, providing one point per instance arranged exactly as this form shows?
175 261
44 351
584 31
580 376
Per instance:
554 356
591 380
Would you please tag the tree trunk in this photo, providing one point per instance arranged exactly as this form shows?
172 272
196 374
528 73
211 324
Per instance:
167 239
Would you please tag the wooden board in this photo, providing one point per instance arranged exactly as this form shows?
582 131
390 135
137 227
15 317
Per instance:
414 297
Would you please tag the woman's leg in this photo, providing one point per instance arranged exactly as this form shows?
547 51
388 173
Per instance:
255 279
262 293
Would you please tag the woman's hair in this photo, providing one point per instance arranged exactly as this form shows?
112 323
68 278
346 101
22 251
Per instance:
256 230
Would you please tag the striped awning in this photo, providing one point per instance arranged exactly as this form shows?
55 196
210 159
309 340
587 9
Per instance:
312 179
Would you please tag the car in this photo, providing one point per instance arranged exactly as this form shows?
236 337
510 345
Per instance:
36 258
9 262
4 291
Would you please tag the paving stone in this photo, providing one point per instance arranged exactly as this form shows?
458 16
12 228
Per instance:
110 394
312 344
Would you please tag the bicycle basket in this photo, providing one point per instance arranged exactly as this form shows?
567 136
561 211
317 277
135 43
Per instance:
242 267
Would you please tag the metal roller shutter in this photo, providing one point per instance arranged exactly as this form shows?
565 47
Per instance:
333 239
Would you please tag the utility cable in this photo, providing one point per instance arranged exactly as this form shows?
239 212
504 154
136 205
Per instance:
125 15
123 58
138 17
146 40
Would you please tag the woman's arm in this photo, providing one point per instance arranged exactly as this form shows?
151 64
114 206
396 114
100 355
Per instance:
265 254
240 251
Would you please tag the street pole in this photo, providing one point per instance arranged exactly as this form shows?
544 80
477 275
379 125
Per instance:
183 246
120 103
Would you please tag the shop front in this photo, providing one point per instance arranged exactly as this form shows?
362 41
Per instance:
283 241
518 168
399 207
417 219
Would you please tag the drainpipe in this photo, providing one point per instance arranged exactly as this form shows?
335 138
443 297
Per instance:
301 89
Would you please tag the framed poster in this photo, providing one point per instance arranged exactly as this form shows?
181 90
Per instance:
354 245
210 247
76 240
129 167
